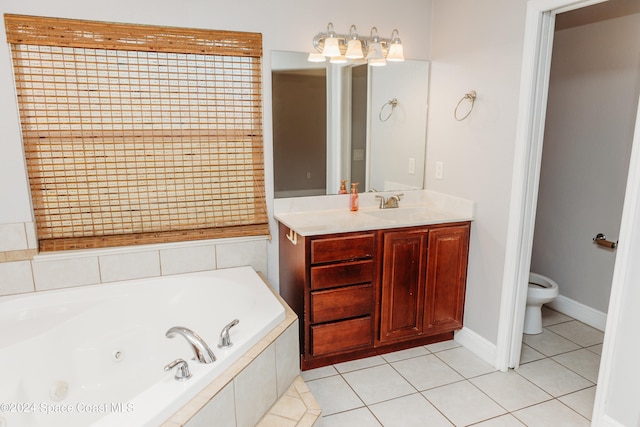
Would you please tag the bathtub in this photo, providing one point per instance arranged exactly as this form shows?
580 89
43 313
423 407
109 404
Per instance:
94 355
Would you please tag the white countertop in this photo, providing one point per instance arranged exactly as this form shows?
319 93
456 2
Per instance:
317 215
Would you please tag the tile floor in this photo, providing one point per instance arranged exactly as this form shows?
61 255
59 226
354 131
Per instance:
445 384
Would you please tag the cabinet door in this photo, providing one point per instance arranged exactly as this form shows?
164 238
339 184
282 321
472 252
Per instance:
446 278
403 284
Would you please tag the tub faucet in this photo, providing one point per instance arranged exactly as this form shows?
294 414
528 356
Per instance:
201 350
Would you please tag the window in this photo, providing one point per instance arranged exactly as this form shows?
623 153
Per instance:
137 134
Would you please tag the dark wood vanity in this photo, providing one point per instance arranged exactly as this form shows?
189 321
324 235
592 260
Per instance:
363 293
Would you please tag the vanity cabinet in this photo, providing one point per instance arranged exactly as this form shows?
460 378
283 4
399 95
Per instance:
364 293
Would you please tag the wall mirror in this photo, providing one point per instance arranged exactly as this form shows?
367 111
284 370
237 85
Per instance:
352 122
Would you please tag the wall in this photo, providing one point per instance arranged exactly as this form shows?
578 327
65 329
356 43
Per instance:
593 93
284 24
477 46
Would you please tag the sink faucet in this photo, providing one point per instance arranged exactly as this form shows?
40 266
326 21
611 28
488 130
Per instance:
390 202
201 350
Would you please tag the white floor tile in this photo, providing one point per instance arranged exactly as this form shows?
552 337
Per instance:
409 411
581 401
334 395
441 346
510 390
579 333
465 362
551 413
582 362
314 374
426 372
378 383
528 354
552 377
463 404
597 349
549 343
507 420
405 354
361 417
353 365
552 317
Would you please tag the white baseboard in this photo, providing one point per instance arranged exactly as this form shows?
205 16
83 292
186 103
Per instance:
480 346
579 311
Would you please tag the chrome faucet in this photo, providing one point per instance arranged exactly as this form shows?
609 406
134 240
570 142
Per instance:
201 350
225 340
390 202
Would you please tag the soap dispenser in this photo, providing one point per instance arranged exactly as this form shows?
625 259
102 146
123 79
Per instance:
343 187
354 197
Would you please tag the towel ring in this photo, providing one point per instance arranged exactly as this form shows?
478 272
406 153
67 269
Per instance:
394 103
471 96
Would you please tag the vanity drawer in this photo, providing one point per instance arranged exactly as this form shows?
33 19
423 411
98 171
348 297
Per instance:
341 336
342 303
349 273
343 248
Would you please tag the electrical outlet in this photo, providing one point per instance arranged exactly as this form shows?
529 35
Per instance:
439 170
308 175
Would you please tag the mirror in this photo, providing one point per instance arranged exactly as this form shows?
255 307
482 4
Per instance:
352 122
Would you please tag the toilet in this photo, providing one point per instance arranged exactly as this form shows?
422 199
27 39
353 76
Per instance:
541 290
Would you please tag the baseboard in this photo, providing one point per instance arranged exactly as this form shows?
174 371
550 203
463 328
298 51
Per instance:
480 346
579 311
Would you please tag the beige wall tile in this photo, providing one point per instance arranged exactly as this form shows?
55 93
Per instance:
127 266
188 259
16 278
64 273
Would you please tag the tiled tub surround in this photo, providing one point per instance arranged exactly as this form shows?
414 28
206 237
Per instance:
254 386
23 270
317 215
240 394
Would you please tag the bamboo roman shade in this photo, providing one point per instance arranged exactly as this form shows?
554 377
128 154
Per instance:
139 134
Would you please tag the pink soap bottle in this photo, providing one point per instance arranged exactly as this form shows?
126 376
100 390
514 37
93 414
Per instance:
354 197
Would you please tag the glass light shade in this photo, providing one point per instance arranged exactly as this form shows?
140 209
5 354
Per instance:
354 49
375 55
331 47
395 52
340 59
316 57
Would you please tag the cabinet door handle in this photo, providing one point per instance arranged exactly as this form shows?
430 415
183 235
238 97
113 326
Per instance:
292 236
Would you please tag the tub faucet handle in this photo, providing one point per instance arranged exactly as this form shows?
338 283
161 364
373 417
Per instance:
182 373
225 340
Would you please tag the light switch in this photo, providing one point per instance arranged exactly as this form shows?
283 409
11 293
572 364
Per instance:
412 166
439 170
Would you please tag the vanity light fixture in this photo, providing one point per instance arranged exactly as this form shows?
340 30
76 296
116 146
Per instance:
341 48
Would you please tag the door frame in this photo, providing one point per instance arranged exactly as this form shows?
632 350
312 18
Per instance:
538 44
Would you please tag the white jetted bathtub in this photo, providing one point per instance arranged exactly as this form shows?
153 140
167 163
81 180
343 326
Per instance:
95 355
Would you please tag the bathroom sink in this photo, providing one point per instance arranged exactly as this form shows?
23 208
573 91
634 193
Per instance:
406 215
